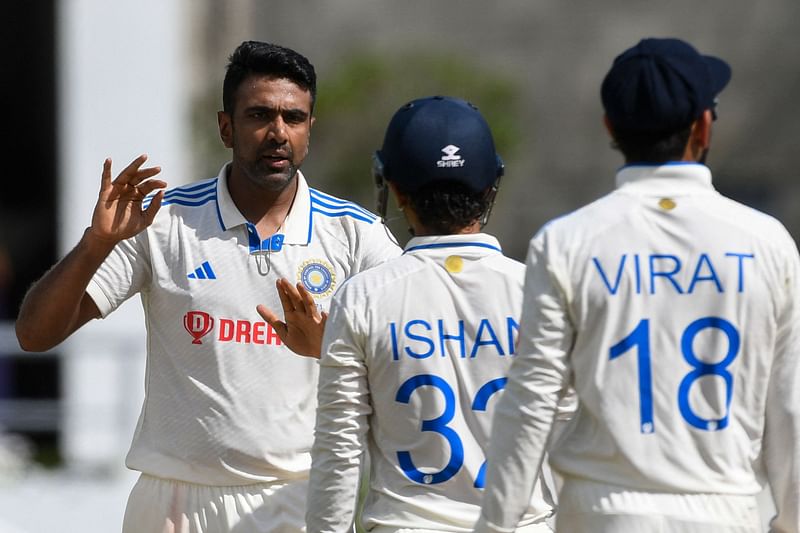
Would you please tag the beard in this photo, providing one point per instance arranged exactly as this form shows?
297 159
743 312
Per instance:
263 174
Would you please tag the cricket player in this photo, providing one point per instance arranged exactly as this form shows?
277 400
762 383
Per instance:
224 437
674 312
415 351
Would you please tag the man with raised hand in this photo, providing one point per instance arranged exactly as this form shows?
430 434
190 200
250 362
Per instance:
224 437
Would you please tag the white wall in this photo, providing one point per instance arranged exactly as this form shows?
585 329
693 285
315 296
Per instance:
123 75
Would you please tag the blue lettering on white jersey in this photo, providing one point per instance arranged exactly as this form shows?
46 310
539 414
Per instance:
419 340
663 272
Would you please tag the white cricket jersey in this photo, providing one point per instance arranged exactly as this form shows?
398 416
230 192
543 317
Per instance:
225 402
414 358
674 313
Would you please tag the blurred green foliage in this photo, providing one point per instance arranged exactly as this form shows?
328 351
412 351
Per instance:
356 99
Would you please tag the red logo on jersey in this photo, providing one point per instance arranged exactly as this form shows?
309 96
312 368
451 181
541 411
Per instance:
246 332
198 324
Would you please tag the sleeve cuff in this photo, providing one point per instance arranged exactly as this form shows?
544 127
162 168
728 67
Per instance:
100 299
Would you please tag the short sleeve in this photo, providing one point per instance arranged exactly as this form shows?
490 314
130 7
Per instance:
123 274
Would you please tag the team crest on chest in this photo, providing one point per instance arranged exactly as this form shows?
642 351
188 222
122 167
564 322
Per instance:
318 277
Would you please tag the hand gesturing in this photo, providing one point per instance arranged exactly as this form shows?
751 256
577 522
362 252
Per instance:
304 323
118 214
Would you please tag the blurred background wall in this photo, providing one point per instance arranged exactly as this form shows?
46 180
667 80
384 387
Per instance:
535 68
88 79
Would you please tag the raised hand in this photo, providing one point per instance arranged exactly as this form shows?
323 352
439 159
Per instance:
118 214
304 323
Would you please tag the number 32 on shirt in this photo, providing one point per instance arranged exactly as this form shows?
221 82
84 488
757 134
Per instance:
439 425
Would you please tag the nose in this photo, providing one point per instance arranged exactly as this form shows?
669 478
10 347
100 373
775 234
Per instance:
277 130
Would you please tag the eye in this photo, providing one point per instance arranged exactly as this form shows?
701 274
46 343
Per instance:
295 117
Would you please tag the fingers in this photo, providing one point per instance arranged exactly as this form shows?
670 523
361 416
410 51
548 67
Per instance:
105 179
150 185
297 298
273 320
267 314
152 209
133 174
308 301
298 303
131 170
144 174
287 302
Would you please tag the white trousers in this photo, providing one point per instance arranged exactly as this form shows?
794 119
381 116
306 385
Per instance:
165 506
587 506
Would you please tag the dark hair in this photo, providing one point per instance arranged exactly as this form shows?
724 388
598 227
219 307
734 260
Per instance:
255 57
640 147
445 207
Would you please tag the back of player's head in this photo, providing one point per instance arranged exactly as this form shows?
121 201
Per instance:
439 139
439 151
661 86
255 57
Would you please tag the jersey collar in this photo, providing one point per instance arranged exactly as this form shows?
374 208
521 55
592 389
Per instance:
673 178
296 226
480 243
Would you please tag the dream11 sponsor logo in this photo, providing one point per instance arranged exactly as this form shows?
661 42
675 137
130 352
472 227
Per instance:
199 324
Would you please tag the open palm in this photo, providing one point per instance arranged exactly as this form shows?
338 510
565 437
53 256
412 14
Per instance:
303 325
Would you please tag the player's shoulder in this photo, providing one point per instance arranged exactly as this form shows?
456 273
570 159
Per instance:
374 282
595 217
506 266
748 219
191 195
329 209
358 230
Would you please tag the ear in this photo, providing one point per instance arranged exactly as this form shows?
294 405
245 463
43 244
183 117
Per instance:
699 137
225 124
701 129
607 124
310 126
400 198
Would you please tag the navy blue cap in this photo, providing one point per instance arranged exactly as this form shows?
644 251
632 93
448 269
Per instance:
439 138
661 86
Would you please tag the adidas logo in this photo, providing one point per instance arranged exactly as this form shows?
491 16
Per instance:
204 271
450 157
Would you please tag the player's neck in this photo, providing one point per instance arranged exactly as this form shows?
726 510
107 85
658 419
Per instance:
421 231
266 209
418 229
475 227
